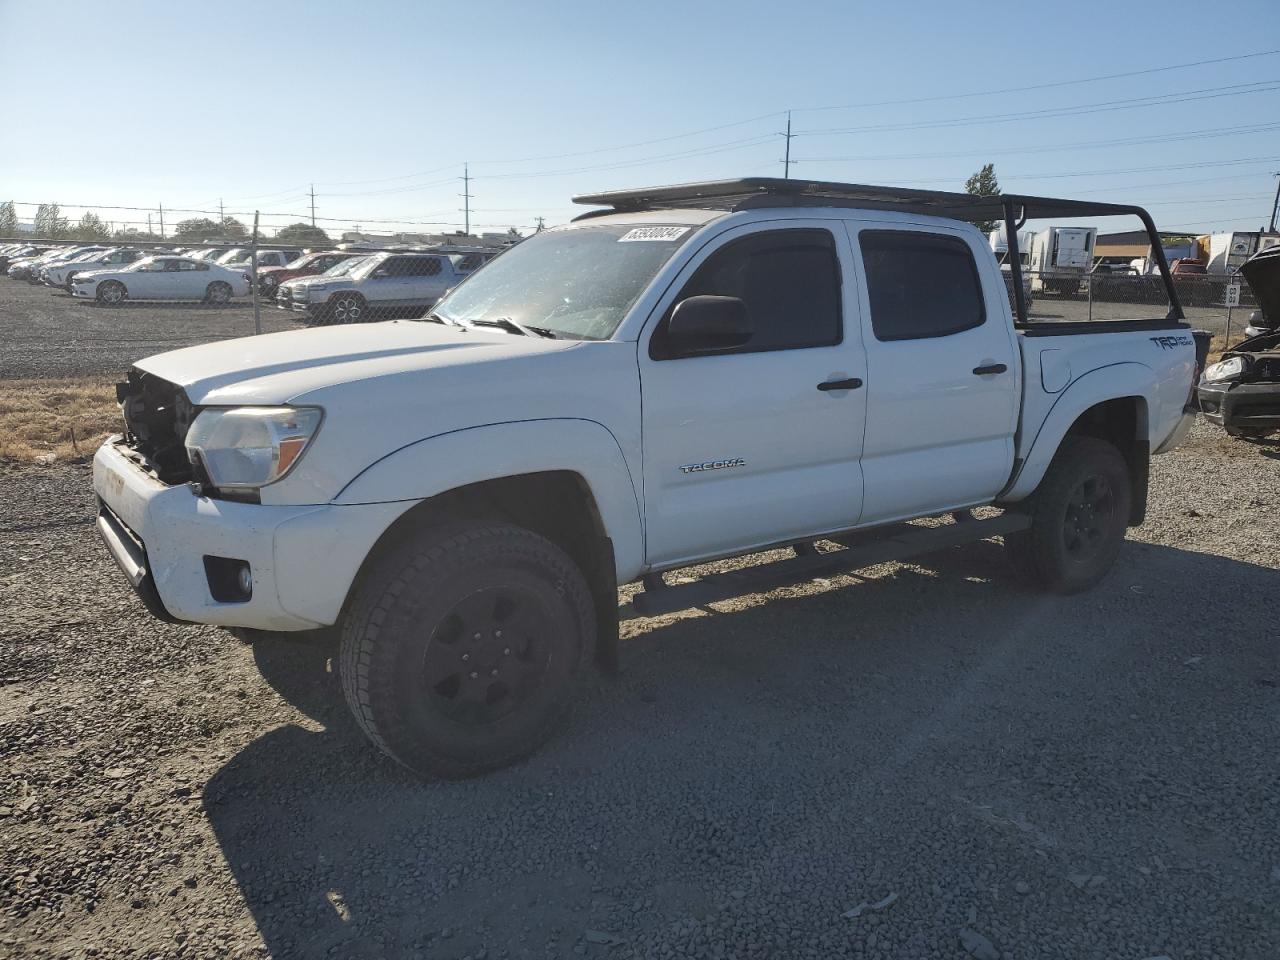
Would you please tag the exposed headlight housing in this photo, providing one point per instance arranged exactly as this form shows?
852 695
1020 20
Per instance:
244 448
1224 369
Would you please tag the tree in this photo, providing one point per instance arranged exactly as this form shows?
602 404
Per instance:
8 220
202 228
133 235
984 184
302 234
91 227
50 224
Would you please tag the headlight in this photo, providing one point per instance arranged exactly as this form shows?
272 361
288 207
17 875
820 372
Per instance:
244 448
1224 369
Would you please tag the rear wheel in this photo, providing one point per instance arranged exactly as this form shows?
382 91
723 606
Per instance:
1248 433
70 283
463 650
218 292
267 286
111 293
347 308
1079 515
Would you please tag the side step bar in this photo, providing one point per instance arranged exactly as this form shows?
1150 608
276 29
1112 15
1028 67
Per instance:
899 543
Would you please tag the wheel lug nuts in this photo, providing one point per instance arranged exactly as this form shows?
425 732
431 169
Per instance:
466 656
474 675
497 633
494 673
475 637
506 652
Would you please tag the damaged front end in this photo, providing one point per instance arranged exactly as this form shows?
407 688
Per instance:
1242 390
157 415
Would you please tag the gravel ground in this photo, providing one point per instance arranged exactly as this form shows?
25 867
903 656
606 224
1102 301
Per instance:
49 333
923 760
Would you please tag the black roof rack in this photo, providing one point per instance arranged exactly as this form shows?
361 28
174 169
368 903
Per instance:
754 192
1012 209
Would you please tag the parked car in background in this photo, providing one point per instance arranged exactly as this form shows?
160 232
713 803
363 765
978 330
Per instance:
398 284
62 255
61 274
1242 390
307 265
162 278
287 289
21 269
16 252
242 258
70 257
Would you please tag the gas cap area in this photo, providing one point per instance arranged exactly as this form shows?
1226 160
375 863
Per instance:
1055 370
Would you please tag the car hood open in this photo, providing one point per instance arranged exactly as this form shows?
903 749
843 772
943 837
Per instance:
1262 270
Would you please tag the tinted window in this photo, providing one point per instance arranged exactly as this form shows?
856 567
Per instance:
789 281
920 284
419 267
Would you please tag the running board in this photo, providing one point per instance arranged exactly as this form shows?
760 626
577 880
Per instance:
899 543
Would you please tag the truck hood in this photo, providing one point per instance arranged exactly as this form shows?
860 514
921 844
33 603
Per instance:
277 367
1262 270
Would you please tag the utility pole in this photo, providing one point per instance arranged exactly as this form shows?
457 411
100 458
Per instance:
148 224
1275 206
466 199
540 224
313 205
786 162
162 221
222 217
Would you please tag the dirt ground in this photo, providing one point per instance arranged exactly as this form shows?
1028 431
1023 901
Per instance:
920 760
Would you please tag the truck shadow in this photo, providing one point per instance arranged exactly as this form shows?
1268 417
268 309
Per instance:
878 693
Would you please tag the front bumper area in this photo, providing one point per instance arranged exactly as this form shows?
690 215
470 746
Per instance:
1247 405
303 559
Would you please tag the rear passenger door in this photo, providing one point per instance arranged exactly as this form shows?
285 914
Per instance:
756 444
944 380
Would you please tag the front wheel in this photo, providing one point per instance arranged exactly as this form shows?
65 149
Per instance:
218 293
111 293
347 308
1079 515
464 650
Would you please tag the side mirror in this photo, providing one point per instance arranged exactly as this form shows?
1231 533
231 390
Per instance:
706 324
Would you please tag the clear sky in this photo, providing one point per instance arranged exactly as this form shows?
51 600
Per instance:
379 103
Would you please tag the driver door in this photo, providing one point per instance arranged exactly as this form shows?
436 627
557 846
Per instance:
757 444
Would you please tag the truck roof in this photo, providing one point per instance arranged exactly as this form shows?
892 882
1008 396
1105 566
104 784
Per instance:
754 192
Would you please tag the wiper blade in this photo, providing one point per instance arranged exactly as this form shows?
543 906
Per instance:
441 318
515 327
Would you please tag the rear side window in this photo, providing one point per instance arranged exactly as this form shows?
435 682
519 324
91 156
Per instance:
920 285
789 281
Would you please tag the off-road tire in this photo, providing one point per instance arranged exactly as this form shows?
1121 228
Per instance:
107 300
409 600
1043 555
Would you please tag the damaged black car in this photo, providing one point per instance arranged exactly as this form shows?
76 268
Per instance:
1242 390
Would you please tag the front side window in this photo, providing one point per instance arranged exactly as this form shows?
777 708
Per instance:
920 285
789 281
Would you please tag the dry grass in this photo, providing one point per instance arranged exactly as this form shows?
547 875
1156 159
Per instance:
46 420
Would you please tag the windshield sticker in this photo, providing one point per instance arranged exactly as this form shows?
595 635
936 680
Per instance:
653 233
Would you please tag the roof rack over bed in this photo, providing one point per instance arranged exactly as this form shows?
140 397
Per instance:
749 193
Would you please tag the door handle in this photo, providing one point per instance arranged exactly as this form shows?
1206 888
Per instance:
853 383
990 368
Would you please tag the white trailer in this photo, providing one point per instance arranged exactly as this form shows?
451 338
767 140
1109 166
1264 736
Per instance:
1059 258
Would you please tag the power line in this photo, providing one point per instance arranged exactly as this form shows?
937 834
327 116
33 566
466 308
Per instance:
1207 134
1049 113
1042 86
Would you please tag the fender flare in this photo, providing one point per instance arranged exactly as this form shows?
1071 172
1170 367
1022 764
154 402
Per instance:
437 464
1113 382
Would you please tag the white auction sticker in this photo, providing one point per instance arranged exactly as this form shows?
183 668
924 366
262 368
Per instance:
653 233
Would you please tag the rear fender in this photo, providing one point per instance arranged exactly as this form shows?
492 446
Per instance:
445 462
1112 382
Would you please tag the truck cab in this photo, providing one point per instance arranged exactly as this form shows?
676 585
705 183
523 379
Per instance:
680 374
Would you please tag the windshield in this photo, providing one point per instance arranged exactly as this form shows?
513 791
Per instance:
577 281
344 267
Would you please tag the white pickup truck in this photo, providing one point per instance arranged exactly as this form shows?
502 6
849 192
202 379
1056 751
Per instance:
688 373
